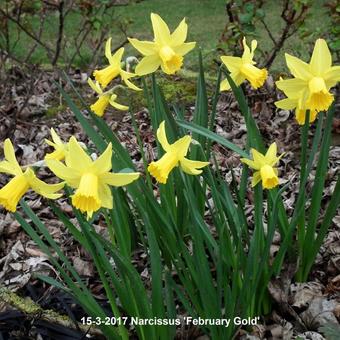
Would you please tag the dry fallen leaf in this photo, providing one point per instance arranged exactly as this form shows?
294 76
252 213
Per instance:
320 312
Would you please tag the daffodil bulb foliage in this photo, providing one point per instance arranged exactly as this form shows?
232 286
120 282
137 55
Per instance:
242 68
174 155
90 179
167 49
309 89
264 166
60 148
106 75
104 99
15 189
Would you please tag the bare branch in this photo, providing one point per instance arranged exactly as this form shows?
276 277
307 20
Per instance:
30 34
60 32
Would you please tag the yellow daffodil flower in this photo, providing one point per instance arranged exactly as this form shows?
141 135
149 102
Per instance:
12 192
167 50
264 166
60 148
175 154
106 75
91 179
104 99
309 89
243 68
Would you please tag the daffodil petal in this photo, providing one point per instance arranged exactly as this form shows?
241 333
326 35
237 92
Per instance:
180 34
238 79
126 76
119 179
148 65
181 146
57 154
10 157
95 86
247 55
71 176
270 155
144 47
7 168
108 53
291 87
41 187
233 64
332 76
286 104
259 159
56 139
256 178
161 136
103 163
105 196
184 48
117 57
298 68
160 29
192 167
249 162
77 158
321 59
224 85
253 45
50 143
118 106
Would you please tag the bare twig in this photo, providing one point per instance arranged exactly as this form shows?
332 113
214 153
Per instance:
30 34
293 21
268 31
60 32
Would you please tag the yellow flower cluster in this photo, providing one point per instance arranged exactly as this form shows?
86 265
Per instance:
91 180
166 51
105 76
309 90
